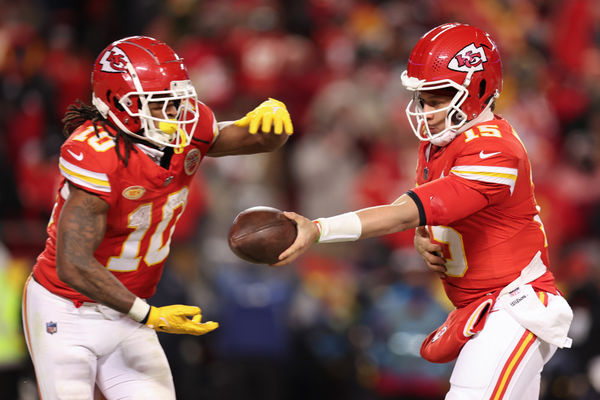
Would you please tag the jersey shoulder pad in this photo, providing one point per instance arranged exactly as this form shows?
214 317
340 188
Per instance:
489 153
206 129
491 142
87 159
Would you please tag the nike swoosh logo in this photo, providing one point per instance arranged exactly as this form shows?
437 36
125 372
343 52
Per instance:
487 155
78 157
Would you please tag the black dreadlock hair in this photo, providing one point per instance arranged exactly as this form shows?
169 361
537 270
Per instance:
78 113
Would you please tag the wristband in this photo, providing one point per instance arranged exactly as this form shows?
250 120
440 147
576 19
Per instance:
340 228
139 310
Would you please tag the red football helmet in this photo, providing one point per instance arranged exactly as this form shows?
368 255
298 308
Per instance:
133 72
453 56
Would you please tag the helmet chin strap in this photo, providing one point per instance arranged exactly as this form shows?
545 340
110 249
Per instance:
450 134
444 138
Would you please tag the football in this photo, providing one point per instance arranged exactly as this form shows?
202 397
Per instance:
259 234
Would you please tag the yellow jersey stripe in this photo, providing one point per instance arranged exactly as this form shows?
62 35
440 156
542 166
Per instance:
497 174
501 175
93 180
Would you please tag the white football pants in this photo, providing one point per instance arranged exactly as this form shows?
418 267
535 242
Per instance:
73 349
503 361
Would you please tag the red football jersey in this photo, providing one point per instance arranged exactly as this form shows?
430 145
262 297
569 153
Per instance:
477 199
145 200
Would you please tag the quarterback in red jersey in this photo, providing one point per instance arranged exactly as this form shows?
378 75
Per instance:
477 222
126 169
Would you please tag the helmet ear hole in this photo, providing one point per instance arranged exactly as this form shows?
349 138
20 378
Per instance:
457 118
117 104
114 100
482 87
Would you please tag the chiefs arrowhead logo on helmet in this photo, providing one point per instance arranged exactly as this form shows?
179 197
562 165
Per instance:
469 58
114 60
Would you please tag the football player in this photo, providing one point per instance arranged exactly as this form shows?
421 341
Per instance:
477 218
126 170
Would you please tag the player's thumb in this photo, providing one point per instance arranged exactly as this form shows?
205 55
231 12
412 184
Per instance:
206 327
244 121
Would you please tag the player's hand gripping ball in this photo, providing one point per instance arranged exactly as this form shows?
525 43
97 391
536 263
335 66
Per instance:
259 234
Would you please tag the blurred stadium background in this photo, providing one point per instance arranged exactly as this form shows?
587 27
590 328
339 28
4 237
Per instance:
346 321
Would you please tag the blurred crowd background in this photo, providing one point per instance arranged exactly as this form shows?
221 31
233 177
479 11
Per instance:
346 321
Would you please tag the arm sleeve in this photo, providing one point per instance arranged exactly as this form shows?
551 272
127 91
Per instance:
446 200
495 174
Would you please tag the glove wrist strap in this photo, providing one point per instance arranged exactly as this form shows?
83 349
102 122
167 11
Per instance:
139 310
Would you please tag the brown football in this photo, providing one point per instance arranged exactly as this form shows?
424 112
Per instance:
259 234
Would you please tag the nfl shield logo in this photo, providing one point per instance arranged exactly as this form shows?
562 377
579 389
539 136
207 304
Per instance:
51 327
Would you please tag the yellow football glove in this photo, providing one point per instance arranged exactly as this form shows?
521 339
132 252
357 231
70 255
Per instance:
269 112
176 319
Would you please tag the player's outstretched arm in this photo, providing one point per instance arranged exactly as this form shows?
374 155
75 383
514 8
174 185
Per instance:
266 128
401 215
